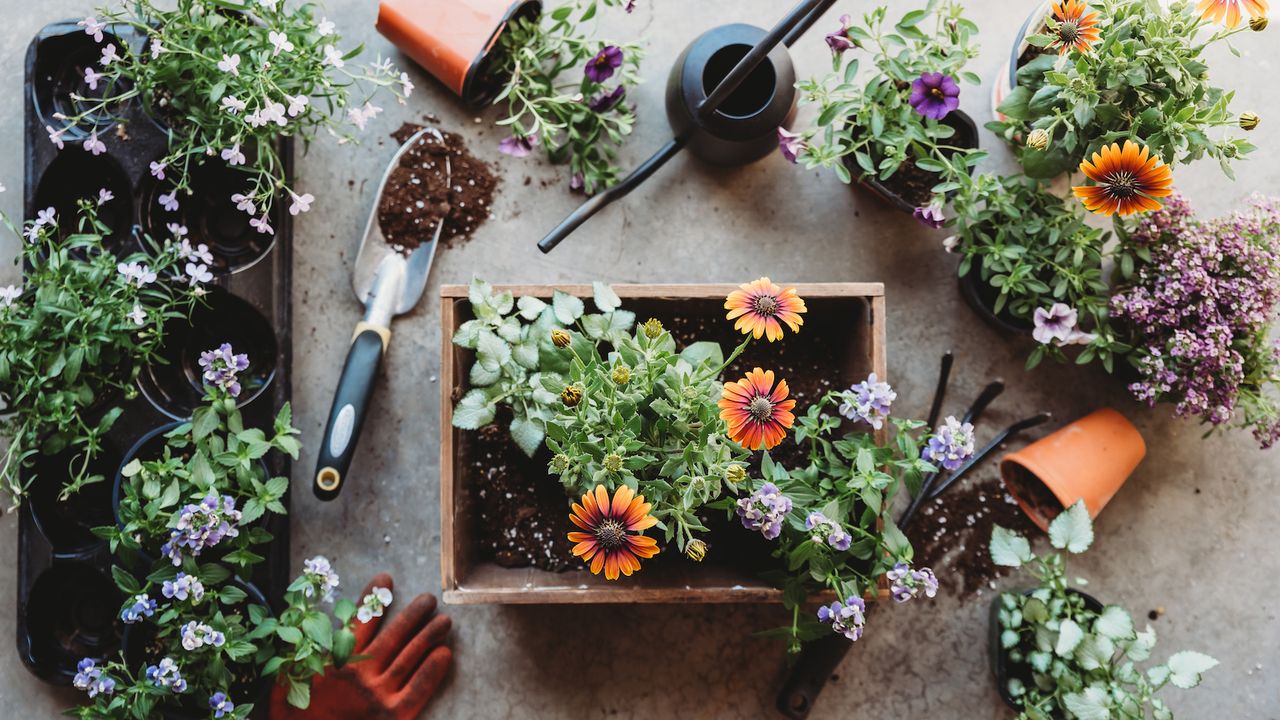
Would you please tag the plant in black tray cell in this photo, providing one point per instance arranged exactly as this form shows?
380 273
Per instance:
229 79
75 335
1061 654
896 126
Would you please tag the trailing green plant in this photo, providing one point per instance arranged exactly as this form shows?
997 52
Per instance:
229 79
1146 79
74 338
517 365
1067 659
557 91
893 119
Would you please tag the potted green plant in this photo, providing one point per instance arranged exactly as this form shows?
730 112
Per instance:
898 130
1059 653
1086 76
229 80
76 336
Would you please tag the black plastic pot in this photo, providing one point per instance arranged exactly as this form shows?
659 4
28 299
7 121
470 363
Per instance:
67 524
982 298
966 136
998 655
70 613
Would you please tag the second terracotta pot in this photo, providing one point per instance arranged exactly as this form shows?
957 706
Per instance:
1089 459
454 40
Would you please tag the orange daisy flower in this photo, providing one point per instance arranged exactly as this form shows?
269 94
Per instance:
758 414
612 541
1128 180
1076 29
761 307
1229 12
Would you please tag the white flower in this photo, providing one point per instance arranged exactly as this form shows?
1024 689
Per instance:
297 104
405 86
105 196
1055 323
333 57
269 4
198 252
233 104
198 273
383 594
55 136
230 64
280 41
91 78
243 203
138 316
93 28
2 187
47 216
301 203
950 243
274 112
360 116
374 604
255 119
157 170
156 48
233 156
178 231
383 66
8 294
169 201
324 27
108 55
136 273
32 232
94 145
261 225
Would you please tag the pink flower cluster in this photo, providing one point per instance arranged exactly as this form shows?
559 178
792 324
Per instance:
1200 311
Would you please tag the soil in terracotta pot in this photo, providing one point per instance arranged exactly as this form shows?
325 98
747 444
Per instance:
1035 493
952 533
418 194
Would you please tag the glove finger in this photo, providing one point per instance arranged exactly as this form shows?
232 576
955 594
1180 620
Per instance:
410 702
411 655
365 632
399 629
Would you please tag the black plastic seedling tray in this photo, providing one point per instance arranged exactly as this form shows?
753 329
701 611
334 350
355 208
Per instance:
68 606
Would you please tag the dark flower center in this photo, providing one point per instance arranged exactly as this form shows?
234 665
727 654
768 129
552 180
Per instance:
937 93
1122 185
610 534
765 304
760 408
1069 31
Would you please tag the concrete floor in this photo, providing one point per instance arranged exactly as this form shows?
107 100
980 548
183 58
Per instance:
1194 531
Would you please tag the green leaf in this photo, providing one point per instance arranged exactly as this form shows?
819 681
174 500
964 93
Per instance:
528 434
1072 530
203 422
1092 704
1115 623
605 298
1009 548
289 634
1069 636
344 642
530 307
473 411
299 694
567 307
1186 667
319 629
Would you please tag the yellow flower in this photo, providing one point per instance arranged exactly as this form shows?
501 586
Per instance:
761 308
621 375
560 338
696 550
1249 120
612 541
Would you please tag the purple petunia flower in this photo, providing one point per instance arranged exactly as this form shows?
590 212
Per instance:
935 95
764 510
839 40
929 216
220 367
950 444
868 401
906 583
848 618
791 144
1054 324
608 101
604 64
515 146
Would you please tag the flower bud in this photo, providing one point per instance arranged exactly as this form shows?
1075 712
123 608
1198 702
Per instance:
1249 120
613 462
652 328
735 474
560 338
571 396
1258 23
559 463
696 550
1038 139
621 375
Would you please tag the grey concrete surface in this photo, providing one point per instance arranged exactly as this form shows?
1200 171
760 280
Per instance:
1194 531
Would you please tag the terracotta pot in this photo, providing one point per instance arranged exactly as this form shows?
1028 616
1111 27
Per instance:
1090 459
1007 78
454 40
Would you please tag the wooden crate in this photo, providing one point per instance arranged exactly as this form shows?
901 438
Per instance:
851 313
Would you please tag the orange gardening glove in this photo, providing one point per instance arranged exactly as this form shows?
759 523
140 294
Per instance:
403 664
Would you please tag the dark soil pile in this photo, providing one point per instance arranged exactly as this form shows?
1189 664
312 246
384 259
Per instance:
421 192
951 534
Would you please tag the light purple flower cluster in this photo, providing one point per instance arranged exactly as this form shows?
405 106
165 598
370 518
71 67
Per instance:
906 583
196 635
220 367
824 528
143 607
1200 312
220 704
765 510
868 401
950 445
848 618
166 675
320 578
202 526
89 678
182 587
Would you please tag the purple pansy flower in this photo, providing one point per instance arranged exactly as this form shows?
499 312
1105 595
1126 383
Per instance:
220 704
167 676
935 95
764 510
604 64
143 607
839 40
220 367
906 583
826 528
868 401
791 144
847 618
515 146
950 444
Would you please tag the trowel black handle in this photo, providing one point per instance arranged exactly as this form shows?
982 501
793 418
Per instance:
818 660
350 403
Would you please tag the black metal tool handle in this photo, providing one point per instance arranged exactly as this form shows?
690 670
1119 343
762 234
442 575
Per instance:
818 660
350 404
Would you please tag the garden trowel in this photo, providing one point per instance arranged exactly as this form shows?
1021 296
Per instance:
389 282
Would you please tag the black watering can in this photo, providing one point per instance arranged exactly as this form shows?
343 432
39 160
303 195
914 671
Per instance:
728 93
